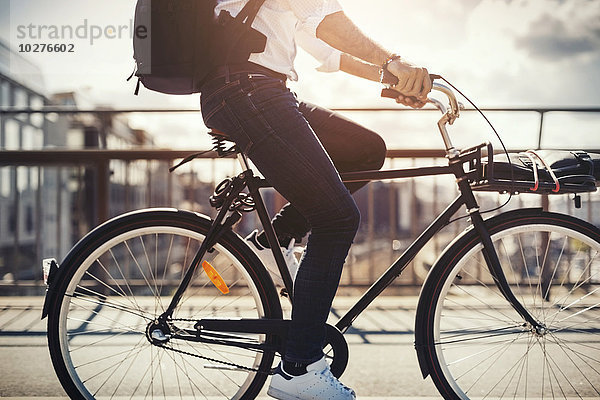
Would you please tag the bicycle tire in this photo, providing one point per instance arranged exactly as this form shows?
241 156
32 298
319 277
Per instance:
120 277
474 344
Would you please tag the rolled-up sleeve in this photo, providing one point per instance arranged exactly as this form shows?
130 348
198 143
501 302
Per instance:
310 13
321 51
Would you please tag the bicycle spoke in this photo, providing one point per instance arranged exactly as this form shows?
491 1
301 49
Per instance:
470 308
120 363
125 373
578 285
110 366
483 284
167 258
486 336
134 258
115 306
465 358
514 367
525 266
119 293
157 297
131 296
578 312
561 344
80 292
498 354
547 292
512 270
203 376
107 338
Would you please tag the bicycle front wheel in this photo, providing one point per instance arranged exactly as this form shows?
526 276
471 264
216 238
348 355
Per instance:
473 341
116 282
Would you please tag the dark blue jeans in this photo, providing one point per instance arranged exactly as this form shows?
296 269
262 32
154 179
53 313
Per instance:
264 119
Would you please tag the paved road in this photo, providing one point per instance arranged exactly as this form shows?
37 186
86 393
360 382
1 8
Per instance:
383 363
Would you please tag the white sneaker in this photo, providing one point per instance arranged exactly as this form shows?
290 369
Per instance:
266 256
317 384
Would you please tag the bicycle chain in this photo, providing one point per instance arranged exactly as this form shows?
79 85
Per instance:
209 358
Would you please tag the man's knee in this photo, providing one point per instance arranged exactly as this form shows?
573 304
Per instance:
377 152
349 220
341 218
355 218
370 152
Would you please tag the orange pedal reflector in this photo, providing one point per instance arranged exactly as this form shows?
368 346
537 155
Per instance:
214 277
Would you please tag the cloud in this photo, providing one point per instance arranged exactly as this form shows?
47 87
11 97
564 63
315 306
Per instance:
573 29
530 52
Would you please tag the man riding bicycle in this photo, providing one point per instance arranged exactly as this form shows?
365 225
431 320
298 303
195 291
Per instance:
297 147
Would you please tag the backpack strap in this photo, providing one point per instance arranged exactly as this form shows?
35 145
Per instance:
249 12
245 17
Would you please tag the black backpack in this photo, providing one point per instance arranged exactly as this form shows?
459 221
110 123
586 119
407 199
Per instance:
176 43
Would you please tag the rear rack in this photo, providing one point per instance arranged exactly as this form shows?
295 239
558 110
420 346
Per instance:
492 175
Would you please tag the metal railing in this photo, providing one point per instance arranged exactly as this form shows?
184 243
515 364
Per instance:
77 189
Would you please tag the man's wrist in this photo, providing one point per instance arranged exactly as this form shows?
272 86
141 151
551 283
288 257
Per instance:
386 76
389 59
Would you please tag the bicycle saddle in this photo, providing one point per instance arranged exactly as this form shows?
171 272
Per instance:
217 134
222 143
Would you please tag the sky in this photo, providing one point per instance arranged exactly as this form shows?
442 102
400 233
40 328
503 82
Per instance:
501 53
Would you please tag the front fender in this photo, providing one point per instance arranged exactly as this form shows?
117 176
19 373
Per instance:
50 270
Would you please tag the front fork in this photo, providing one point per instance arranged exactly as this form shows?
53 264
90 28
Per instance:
491 256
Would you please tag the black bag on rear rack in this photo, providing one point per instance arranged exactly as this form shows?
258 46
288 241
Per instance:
176 43
575 171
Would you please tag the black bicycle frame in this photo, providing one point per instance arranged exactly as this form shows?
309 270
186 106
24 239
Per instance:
466 198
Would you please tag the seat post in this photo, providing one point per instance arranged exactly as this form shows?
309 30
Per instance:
219 139
243 160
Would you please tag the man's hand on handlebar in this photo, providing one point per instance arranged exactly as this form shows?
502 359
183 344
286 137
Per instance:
414 83
410 101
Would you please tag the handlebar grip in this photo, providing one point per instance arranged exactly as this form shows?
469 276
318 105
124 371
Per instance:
390 93
393 94
387 78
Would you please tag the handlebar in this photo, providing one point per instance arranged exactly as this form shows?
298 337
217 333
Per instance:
454 104
449 115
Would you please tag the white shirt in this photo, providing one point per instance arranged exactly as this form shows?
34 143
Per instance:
327 55
280 21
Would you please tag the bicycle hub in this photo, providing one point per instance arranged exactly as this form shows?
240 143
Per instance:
158 333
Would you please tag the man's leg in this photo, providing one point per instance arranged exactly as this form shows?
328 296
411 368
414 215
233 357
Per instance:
262 116
350 146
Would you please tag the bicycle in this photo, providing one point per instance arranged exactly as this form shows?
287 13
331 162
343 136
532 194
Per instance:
171 303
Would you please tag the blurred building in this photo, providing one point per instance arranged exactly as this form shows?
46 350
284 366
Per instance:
21 187
44 210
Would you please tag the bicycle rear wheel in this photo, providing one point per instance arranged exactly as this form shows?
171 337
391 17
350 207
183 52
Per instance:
120 278
474 343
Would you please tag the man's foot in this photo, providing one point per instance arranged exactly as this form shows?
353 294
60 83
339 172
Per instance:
317 383
266 256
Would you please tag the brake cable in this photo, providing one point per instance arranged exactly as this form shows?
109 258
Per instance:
510 166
